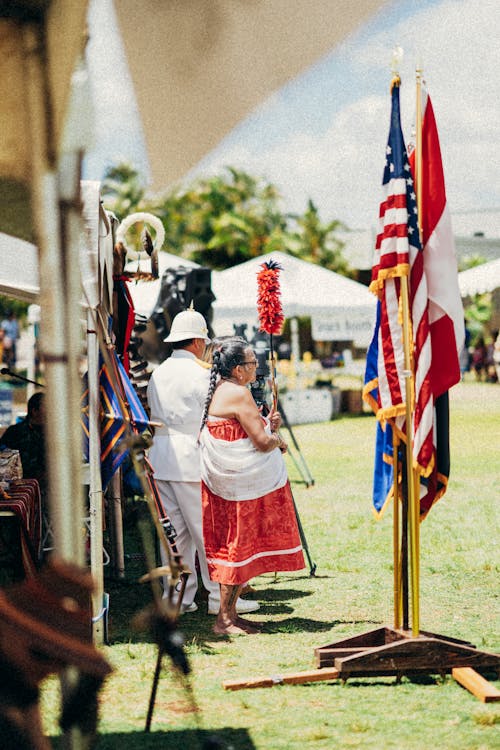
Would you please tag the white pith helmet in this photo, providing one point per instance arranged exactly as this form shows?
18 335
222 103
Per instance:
188 324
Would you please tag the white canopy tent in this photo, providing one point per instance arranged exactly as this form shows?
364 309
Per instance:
199 68
19 277
19 262
480 279
340 309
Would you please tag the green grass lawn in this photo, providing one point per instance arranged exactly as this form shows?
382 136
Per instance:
351 593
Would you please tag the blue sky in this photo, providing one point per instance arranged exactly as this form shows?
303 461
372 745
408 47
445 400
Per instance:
323 135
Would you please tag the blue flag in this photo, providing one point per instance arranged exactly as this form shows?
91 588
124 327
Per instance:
383 467
113 420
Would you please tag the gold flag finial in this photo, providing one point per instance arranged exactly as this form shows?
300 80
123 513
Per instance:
397 56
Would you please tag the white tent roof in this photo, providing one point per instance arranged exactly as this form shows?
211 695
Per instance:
19 262
145 293
480 279
18 269
340 309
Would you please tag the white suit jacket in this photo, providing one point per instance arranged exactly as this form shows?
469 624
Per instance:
176 395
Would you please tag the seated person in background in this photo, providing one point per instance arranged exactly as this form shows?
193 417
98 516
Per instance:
29 439
249 522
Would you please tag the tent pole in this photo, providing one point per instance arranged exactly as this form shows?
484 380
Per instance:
95 484
57 346
60 331
33 318
115 495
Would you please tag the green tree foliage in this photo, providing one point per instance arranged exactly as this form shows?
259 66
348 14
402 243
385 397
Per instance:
479 308
478 312
18 307
226 219
123 191
317 242
471 261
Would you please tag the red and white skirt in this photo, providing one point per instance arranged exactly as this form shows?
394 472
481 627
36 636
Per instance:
245 533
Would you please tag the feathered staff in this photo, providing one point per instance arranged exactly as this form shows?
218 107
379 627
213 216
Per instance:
270 311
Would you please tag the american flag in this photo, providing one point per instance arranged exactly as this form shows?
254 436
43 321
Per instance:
398 253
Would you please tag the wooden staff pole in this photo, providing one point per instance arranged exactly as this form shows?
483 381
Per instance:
272 368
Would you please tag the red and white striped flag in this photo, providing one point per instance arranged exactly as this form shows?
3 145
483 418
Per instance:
445 311
446 315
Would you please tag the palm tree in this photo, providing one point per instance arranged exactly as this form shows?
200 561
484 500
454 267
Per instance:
224 220
316 242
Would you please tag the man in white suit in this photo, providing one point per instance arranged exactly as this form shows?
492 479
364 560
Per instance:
176 396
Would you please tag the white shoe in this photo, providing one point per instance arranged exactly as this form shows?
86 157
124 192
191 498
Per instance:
243 606
189 607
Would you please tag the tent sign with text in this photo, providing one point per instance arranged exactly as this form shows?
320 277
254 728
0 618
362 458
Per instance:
347 325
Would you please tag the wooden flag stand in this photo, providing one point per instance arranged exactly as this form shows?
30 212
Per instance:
389 651
397 650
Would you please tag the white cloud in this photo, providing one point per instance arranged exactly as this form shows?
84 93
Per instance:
341 168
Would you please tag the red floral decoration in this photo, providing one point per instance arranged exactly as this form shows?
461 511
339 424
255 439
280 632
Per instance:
268 298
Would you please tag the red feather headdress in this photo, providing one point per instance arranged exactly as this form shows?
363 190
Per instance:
270 312
268 298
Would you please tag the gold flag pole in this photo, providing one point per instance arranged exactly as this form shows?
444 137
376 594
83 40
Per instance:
411 478
418 146
416 481
395 534
410 483
397 55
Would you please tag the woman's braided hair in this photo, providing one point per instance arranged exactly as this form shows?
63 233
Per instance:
227 354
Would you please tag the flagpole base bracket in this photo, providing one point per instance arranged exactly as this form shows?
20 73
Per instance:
389 652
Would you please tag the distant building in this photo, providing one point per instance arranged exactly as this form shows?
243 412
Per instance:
477 233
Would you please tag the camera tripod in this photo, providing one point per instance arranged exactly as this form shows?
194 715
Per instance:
303 469
308 480
257 390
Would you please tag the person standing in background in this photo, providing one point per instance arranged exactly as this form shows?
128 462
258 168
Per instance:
176 396
249 521
10 328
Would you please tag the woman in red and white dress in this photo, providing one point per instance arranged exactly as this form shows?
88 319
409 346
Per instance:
249 522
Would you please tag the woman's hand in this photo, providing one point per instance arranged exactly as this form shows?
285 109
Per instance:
275 420
280 443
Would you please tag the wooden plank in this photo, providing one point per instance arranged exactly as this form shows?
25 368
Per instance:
476 684
325 657
414 656
294 678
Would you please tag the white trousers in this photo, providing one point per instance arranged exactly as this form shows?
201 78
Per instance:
182 504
